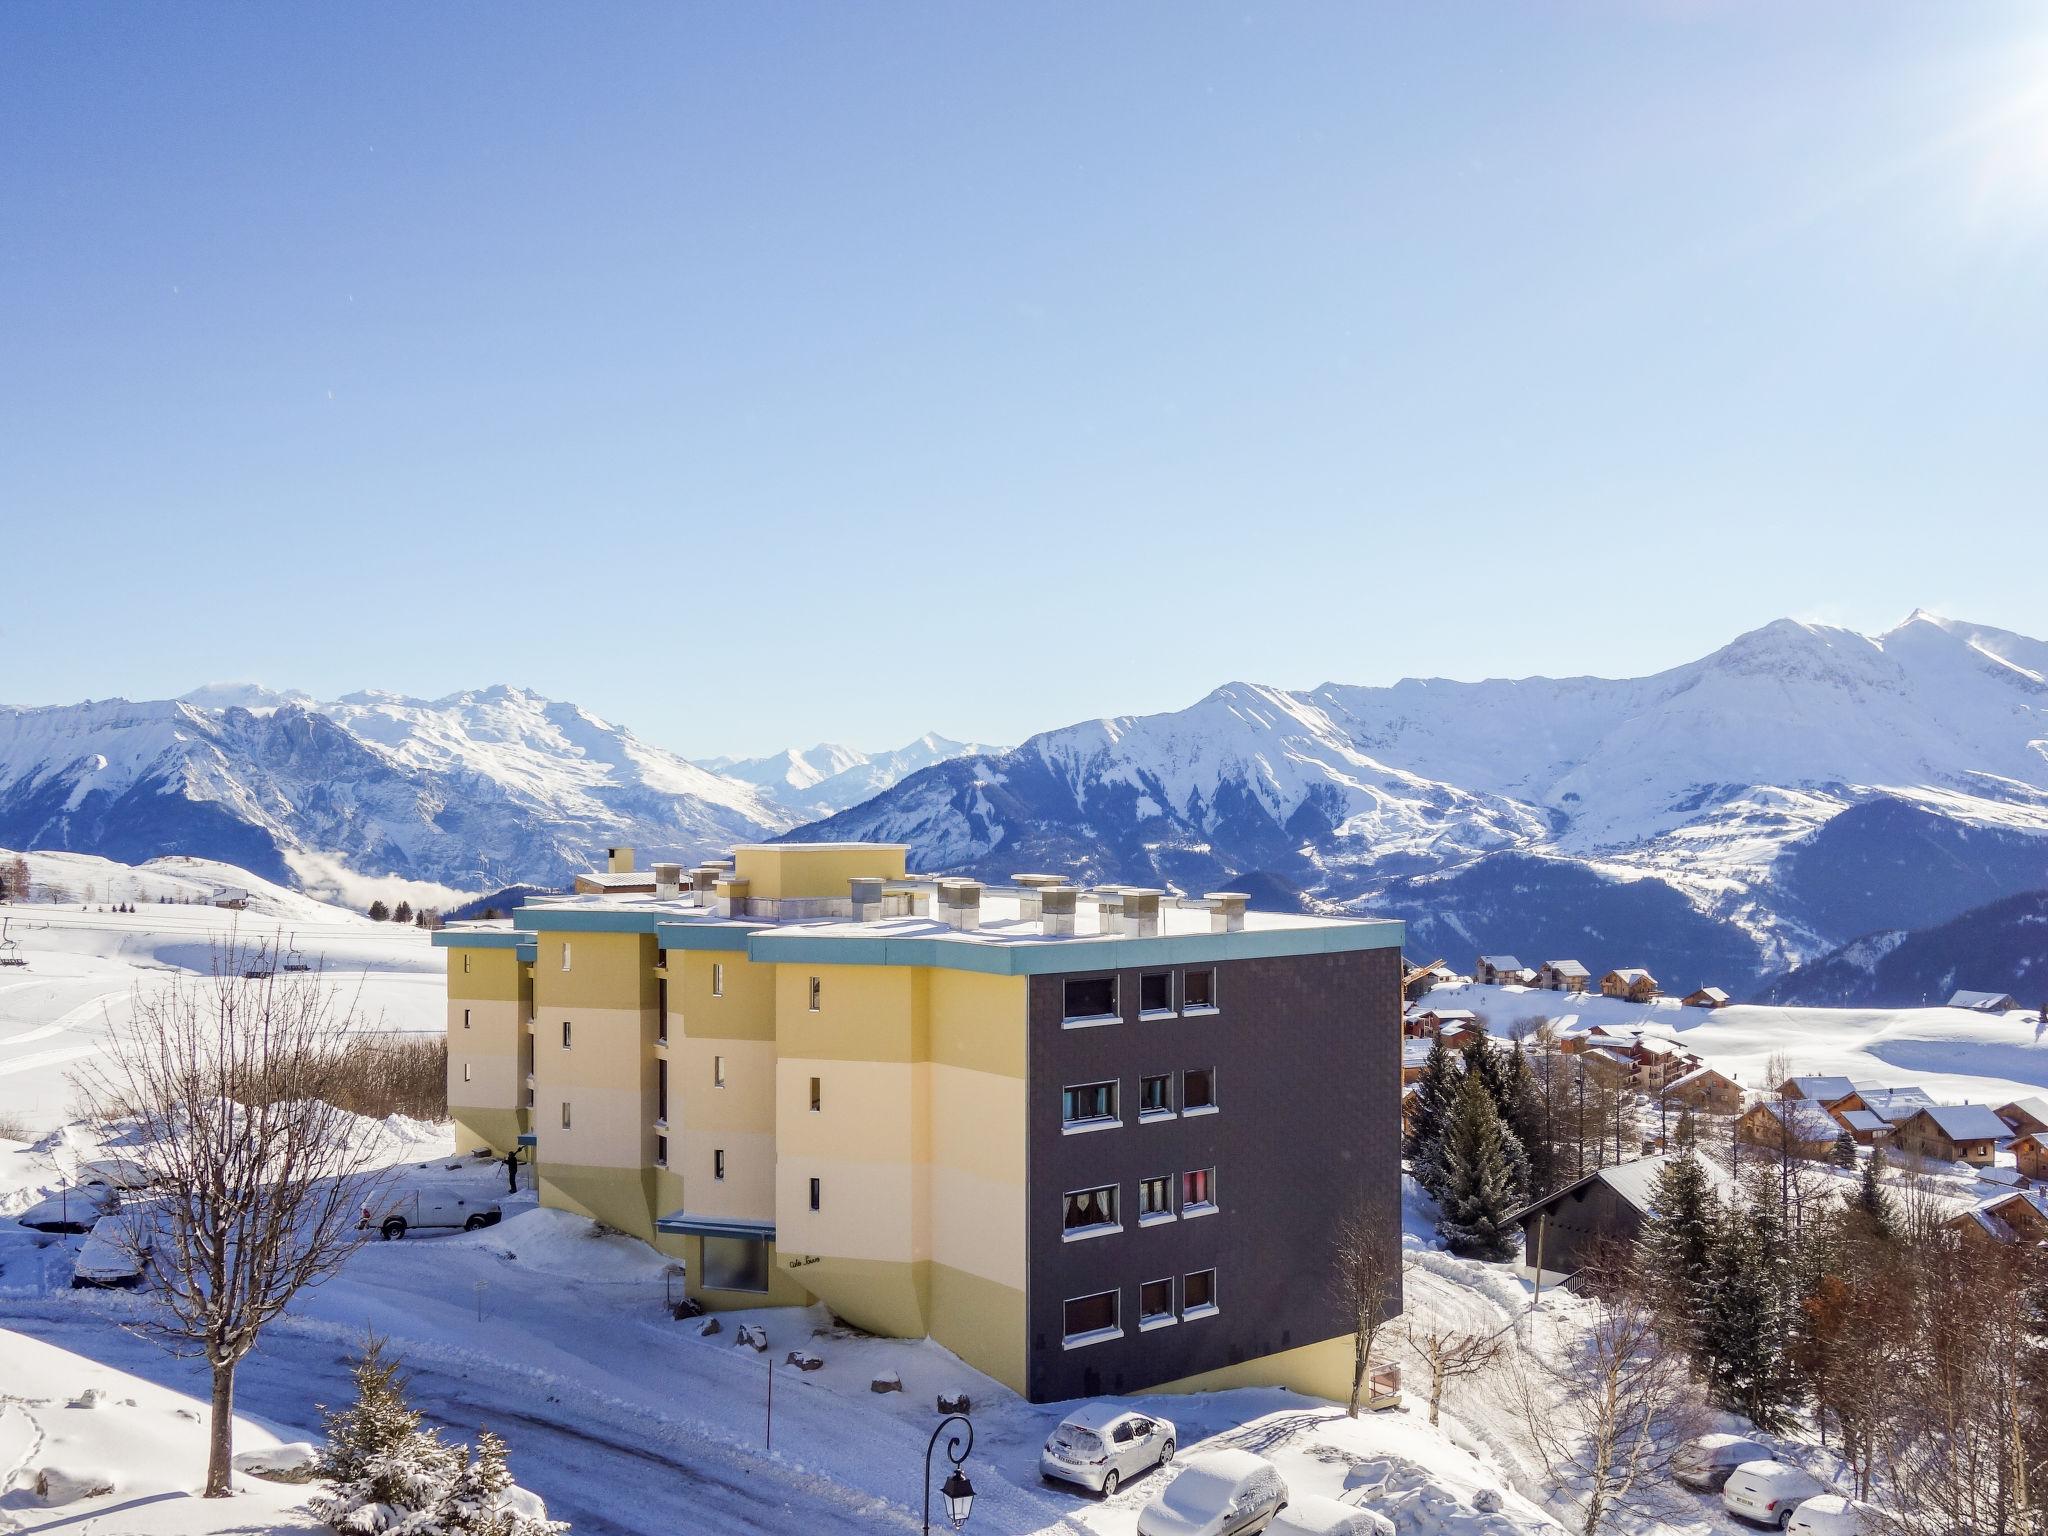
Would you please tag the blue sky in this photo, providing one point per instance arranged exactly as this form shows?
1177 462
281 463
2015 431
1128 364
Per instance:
758 375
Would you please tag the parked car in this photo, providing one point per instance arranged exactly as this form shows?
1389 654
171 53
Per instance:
429 1209
1314 1515
1829 1514
1706 1463
1219 1493
1768 1491
121 1172
73 1209
1102 1446
115 1251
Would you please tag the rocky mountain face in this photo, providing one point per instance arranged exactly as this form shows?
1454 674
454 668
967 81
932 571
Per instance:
1999 947
829 778
1718 821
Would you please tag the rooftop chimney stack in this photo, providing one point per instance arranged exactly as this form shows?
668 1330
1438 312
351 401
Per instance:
960 904
1226 910
732 896
1028 887
668 879
1141 912
1056 908
704 883
618 861
867 898
1109 909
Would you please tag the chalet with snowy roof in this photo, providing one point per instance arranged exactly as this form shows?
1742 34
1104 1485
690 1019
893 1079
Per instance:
2030 1155
1414 1057
1419 979
1429 1023
1631 985
1826 1090
1984 1002
1704 1091
1891 1105
2016 1217
1492 970
1605 1208
1952 1133
1563 976
1864 1128
2024 1117
1705 997
1801 1126
1611 1066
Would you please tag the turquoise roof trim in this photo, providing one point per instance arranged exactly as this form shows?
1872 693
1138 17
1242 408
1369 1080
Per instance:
585 920
1029 958
479 938
728 936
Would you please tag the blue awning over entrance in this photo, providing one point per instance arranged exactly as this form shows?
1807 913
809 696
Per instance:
529 1140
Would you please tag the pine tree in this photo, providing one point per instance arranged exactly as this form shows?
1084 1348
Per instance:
1525 1113
1872 1204
476 1503
1478 1193
1678 1247
1685 1136
379 912
1494 1067
1843 1154
403 913
1744 1327
380 1463
1429 1115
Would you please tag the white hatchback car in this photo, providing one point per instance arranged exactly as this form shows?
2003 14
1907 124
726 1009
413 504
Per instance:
1219 1493
1707 1462
1768 1491
1104 1445
1829 1514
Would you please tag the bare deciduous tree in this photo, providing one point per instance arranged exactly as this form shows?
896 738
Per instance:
1448 1355
218 1088
1367 1279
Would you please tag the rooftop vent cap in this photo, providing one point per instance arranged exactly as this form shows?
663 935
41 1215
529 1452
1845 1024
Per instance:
1028 887
867 897
1141 911
731 899
618 861
1226 910
1056 908
668 879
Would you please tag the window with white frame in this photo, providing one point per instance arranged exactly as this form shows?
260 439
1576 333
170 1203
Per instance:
1155 1199
565 1034
1087 1212
1197 990
465 1018
1155 1303
718 1071
1197 1090
718 1162
816 1194
1092 1319
1155 992
1155 1097
1088 1104
1090 998
817 994
565 1114
1198 1293
465 1071
718 978
1197 1191
565 954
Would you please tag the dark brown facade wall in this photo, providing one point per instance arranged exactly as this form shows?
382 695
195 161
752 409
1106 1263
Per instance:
1307 1056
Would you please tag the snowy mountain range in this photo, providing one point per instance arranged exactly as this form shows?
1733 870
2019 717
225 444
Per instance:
1724 819
829 777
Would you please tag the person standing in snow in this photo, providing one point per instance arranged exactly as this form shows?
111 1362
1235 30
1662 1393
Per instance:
512 1171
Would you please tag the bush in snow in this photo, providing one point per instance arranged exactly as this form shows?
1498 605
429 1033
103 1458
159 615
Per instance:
389 1473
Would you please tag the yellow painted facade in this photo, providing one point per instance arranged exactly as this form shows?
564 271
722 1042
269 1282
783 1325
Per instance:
783 871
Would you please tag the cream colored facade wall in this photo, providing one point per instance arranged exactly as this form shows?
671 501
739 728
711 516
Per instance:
487 990
738 1119
602 1162
776 872
1316 1370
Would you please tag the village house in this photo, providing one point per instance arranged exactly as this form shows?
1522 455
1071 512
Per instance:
1417 981
1892 1105
1952 1133
2024 1117
1984 1002
1611 1066
1705 997
1428 1023
1705 1091
1827 1091
1604 1209
1632 985
1802 1127
1414 1056
1562 976
2009 1218
2030 1155
1864 1127
1492 970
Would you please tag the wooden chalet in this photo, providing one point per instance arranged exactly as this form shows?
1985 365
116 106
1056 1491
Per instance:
1800 1126
1952 1133
1429 1023
1984 1002
2030 1154
1605 1207
2005 1219
1705 1091
2024 1117
1631 985
1493 970
1563 976
1705 997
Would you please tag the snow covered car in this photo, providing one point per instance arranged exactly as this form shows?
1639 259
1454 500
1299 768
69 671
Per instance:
1768 1491
1219 1493
429 1209
121 1172
115 1251
1103 1445
1829 1514
1314 1515
72 1210
1707 1462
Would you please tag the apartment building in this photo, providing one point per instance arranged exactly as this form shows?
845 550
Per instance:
1091 1140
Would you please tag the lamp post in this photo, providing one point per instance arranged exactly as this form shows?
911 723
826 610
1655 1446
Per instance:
958 1491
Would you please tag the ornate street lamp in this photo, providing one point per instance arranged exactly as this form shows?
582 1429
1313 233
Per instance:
958 1492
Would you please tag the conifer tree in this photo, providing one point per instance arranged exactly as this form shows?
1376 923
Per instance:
1678 1245
1494 1066
379 912
1744 1327
476 1505
1872 1203
1435 1094
1478 1194
402 913
1843 1153
1685 1136
380 1462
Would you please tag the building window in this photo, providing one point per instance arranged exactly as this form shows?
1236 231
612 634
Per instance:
565 1114
565 1034
660 1011
529 1097
735 1263
817 993
1155 1097
465 1018
1089 1104
1197 1090
817 1094
465 965
661 1151
1089 1211
1090 998
1155 1199
1155 1303
1155 993
718 1163
1197 990
465 1071
565 954
661 1090
1091 1319
1198 1192
718 978
1198 1293
718 1071
814 1194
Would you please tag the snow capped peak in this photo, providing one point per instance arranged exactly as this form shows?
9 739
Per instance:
242 695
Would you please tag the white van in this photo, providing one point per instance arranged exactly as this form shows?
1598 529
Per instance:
1768 1491
1311 1514
1102 1446
1219 1493
429 1209
1829 1514
1707 1462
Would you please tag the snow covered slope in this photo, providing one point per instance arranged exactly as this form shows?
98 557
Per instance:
473 791
1706 778
830 777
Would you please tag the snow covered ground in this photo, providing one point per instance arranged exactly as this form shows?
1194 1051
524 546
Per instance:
1956 1055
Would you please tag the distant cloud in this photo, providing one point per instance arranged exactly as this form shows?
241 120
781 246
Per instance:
325 876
